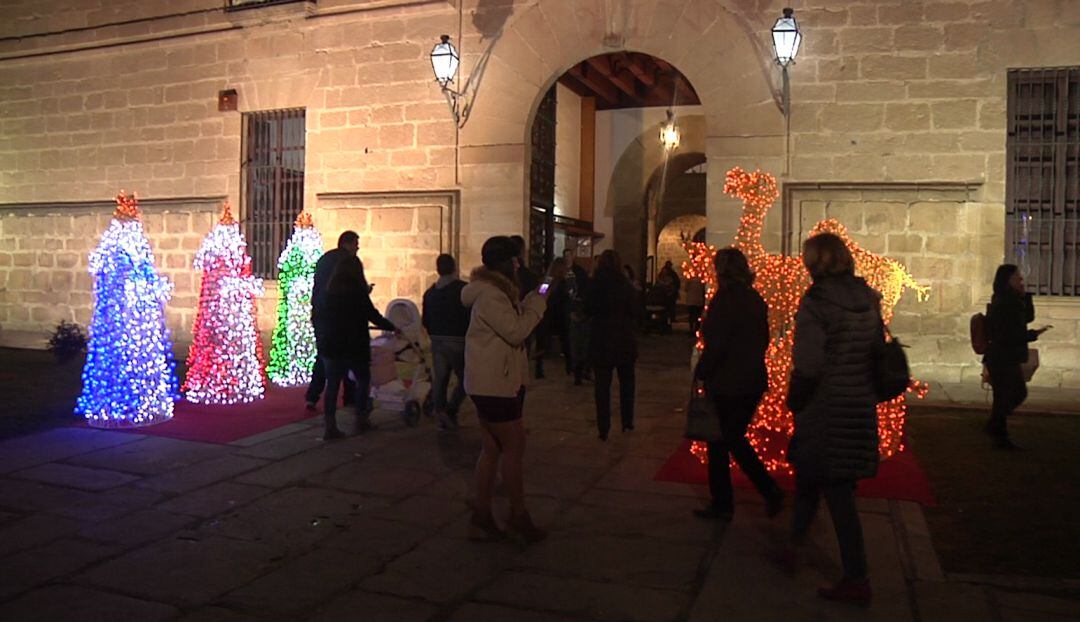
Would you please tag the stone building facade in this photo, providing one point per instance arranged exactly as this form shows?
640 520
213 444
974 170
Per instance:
897 127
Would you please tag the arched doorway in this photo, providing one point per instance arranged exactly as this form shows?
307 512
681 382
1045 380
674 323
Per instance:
724 56
595 139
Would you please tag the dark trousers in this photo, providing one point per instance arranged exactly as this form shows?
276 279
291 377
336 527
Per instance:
564 343
602 392
448 356
840 499
735 415
694 312
1010 391
338 370
318 383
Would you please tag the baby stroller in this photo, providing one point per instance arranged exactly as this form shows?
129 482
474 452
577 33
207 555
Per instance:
400 375
656 310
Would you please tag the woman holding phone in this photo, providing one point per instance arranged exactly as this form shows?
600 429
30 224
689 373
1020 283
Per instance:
1010 312
496 369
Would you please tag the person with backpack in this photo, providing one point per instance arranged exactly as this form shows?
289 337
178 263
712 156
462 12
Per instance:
838 332
1007 338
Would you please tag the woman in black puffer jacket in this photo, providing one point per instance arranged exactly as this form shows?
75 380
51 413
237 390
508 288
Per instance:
837 330
1010 312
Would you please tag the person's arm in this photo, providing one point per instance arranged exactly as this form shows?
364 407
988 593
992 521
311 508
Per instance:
495 310
1008 324
808 356
716 333
425 317
372 314
595 298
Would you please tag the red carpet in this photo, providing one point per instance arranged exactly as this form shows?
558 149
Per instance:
899 477
227 423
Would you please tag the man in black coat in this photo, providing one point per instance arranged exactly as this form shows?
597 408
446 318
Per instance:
348 245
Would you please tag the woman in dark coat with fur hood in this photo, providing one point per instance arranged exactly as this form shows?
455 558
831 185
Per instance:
838 329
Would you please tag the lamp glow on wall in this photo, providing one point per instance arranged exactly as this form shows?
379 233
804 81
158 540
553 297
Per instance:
669 133
445 61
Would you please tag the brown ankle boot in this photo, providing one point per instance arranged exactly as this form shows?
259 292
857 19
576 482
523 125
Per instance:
522 524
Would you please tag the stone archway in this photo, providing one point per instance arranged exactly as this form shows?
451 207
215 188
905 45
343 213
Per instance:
637 182
711 46
669 244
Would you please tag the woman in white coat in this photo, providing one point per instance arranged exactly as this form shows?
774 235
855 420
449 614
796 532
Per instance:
496 369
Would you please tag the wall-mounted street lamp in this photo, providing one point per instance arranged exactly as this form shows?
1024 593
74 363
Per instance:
786 40
445 62
669 133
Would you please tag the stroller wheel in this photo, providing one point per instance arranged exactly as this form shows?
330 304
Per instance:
411 414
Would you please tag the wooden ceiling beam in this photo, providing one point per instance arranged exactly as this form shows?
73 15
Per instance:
595 81
624 81
574 85
646 77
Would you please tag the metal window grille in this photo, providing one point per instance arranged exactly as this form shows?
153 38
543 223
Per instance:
1042 188
542 185
273 173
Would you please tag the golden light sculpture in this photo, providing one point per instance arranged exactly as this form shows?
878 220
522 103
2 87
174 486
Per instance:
782 280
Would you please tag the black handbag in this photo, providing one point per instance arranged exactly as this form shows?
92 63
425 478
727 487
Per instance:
702 420
891 372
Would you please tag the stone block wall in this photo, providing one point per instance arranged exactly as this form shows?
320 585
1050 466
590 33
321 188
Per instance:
44 255
884 91
952 243
401 234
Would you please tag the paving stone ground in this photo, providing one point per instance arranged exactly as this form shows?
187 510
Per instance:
98 525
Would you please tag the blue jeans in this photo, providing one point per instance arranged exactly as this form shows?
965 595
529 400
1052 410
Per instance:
336 370
447 355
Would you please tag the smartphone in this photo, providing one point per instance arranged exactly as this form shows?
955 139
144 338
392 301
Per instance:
545 285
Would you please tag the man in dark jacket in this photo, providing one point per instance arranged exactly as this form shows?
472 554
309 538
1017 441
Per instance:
348 245
344 342
446 321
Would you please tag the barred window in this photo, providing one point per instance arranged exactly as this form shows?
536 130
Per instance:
1042 188
272 165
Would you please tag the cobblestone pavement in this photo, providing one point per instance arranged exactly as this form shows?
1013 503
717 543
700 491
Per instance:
98 525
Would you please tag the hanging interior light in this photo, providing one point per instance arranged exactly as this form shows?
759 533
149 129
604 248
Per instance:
669 133
786 38
444 61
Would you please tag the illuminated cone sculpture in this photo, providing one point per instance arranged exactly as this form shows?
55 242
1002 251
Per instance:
129 379
225 363
293 351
